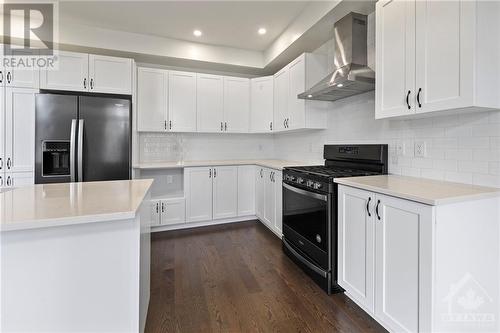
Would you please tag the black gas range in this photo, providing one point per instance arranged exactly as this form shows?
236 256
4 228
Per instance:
310 207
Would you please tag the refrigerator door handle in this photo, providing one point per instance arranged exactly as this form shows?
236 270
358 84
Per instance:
72 150
80 150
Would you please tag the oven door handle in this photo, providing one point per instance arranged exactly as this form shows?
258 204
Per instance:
306 262
306 193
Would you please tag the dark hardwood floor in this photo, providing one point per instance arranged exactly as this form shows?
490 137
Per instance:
235 278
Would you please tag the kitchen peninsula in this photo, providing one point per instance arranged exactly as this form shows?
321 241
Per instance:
75 257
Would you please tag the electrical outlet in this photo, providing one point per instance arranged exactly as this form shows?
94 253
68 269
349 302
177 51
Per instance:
420 149
170 179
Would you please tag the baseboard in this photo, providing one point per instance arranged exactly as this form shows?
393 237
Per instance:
187 225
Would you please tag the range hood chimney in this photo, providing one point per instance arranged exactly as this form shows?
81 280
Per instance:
352 75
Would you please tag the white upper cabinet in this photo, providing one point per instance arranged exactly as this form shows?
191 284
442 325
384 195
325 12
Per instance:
2 135
436 56
182 101
236 104
110 74
290 112
280 100
19 130
71 73
225 192
152 99
443 59
210 103
18 77
395 58
261 104
82 72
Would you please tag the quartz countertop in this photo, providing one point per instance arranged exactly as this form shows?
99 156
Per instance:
47 205
272 164
426 191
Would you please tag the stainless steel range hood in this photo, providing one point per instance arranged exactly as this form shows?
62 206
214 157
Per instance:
352 76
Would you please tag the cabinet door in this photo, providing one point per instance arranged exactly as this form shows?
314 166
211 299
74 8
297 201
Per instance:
173 211
209 103
259 192
246 190
20 129
280 99
444 54
198 192
297 85
278 190
261 104
236 104
155 213
3 158
225 192
269 199
110 74
19 179
401 227
23 78
71 73
182 101
152 99
356 244
395 58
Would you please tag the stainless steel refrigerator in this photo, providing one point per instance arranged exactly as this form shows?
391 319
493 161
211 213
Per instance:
82 138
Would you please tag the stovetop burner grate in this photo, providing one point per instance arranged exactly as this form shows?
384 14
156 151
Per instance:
332 172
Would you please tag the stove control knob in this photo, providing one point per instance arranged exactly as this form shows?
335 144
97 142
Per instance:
300 180
293 178
310 183
317 186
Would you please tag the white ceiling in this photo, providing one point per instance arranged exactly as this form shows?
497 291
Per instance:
225 23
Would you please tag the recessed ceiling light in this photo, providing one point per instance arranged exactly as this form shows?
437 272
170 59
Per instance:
197 33
262 31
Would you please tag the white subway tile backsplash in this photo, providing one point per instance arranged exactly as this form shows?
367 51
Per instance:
458 154
446 165
473 166
458 177
432 174
486 180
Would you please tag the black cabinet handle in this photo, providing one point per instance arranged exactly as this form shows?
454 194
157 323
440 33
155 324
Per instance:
91 83
209 173
162 207
376 210
215 173
225 126
408 99
271 126
85 83
1 76
165 125
1 163
221 126
368 206
418 97
157 207
9 164
261 173
8 77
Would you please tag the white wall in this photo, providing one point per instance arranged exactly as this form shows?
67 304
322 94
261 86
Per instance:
462 147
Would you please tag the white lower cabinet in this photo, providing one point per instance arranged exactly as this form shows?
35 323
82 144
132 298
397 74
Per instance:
420 268
225 192
268 196
16 179
198 192
380 256
246 190
168 211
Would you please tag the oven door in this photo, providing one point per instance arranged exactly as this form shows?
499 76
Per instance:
306 223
